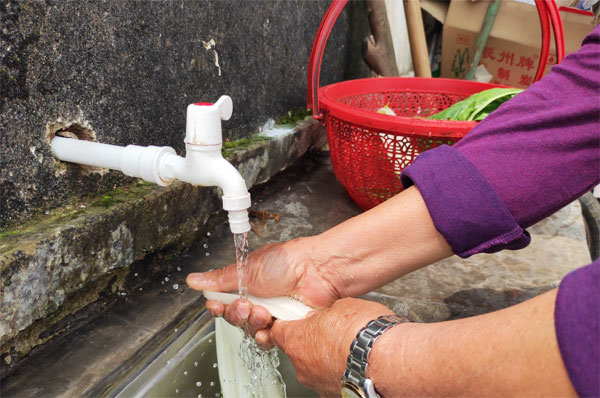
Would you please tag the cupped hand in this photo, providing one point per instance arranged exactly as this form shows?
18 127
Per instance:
319 345
279 269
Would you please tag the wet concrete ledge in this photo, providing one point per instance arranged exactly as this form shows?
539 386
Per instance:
64 265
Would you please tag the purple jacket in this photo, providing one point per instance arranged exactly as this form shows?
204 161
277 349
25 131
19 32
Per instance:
534 155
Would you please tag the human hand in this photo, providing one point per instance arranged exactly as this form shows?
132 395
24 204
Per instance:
279 269
319 345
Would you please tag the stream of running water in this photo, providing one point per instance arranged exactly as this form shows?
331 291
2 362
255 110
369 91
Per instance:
262 364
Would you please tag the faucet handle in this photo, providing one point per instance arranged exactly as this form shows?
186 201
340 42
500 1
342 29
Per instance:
225 105
203 125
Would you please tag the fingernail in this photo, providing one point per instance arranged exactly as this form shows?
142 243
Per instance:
243 312
200 281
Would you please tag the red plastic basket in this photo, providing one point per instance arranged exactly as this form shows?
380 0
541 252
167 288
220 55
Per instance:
369 150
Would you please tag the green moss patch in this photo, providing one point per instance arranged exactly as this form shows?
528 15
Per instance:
9 233
232 146
293 116
79 207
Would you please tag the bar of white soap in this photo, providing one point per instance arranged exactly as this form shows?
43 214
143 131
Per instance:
284 308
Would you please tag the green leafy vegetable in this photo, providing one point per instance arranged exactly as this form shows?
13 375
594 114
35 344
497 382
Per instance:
477 106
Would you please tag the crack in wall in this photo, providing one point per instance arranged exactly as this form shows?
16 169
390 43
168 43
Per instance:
208 45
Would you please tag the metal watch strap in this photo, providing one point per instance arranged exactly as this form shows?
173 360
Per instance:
362 345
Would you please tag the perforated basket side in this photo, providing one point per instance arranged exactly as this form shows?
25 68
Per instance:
368 162
368 155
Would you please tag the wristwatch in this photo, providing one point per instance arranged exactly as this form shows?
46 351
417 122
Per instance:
354 382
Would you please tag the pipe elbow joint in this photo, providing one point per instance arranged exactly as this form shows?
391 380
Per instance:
209 168
233 185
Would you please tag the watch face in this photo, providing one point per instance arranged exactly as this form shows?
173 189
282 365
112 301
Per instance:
351 390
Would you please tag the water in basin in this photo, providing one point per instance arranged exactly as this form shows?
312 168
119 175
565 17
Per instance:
187 368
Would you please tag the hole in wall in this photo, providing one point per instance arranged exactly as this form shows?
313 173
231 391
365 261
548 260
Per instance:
76 131
73 130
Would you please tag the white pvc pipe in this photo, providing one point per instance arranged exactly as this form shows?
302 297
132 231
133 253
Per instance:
87 152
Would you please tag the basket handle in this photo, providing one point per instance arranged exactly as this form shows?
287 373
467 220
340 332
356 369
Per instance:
316 56
559 34
547 11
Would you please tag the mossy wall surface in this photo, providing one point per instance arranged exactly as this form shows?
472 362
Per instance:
125 71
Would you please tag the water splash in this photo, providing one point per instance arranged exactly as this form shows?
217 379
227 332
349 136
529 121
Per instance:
262 366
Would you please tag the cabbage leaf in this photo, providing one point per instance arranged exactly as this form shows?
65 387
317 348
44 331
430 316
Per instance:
477 106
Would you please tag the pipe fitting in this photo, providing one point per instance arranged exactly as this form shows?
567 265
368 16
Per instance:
239 222
237 208
236 203
144 162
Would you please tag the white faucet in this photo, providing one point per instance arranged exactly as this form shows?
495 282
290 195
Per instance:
203 164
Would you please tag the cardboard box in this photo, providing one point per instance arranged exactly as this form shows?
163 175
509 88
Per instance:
512 51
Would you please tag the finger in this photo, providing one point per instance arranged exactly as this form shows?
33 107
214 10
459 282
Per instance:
237 313
215 307
263 339
277 333
219 280
260 318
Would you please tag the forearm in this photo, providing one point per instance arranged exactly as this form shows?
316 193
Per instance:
380 245
512 352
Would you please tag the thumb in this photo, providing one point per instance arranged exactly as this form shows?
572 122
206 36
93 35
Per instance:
278 332
219 280
280 329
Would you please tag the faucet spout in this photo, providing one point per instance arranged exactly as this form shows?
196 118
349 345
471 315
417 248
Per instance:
236 198
204 165
232 184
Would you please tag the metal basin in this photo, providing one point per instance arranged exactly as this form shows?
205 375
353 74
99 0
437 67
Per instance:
187 368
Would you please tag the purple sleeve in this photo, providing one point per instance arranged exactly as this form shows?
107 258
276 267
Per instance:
532 156
465 209
545 142
576 317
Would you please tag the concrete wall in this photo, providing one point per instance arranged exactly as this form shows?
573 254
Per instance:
124 72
